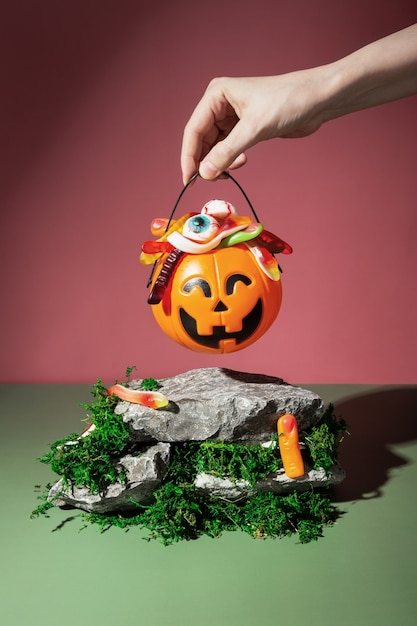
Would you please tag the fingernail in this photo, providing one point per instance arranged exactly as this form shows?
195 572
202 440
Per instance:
208 170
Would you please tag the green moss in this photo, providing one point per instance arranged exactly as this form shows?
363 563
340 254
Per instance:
306 513
45 506
178 511
324 439
150 384
147 384
238 462
89 461
129 371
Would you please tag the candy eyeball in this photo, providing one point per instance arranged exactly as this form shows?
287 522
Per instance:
200 228
220 209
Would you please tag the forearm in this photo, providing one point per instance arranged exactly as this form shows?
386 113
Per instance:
381 72
236 113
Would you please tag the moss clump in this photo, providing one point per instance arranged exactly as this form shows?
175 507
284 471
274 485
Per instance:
306 513
89 461
150 384
178 511
324 439
238 462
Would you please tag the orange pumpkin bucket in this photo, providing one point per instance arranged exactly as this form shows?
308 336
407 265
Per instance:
216 285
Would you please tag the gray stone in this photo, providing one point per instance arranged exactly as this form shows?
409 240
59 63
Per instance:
221 405
213 403
224 488
278 482
312 479
144 473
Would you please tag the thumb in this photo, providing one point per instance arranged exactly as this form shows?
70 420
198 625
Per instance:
226 152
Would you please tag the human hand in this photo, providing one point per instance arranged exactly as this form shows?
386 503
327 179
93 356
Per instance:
236 113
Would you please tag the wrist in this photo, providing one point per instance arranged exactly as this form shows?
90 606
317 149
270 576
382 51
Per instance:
340 84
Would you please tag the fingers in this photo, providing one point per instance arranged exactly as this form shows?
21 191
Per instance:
190 167
208 170
239 161
200 134
219 130
228 153
192 148
236 113
213 119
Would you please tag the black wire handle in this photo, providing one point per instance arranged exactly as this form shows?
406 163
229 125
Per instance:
184 189
193 178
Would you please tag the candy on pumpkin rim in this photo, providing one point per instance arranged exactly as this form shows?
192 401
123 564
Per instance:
218 225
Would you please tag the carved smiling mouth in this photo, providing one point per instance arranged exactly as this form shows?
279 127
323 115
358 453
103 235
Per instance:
249 324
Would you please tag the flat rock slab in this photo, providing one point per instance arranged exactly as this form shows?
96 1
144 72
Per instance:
278 482
204 404
312 479
222 405
144 474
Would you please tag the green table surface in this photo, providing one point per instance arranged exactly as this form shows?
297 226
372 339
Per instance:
362 572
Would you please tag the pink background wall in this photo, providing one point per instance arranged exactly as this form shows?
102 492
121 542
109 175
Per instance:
95 97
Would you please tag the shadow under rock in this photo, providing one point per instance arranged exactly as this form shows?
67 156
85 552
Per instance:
375 422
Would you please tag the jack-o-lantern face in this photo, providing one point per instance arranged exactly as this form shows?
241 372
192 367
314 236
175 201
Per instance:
219 301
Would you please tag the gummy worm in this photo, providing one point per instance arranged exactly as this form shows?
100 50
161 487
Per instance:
274 244
152 399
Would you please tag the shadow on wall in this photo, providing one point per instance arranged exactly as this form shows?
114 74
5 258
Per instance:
376 422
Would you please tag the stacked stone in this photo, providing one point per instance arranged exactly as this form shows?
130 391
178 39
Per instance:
214 404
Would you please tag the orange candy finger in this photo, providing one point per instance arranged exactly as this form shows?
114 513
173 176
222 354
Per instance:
152 399
289 446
